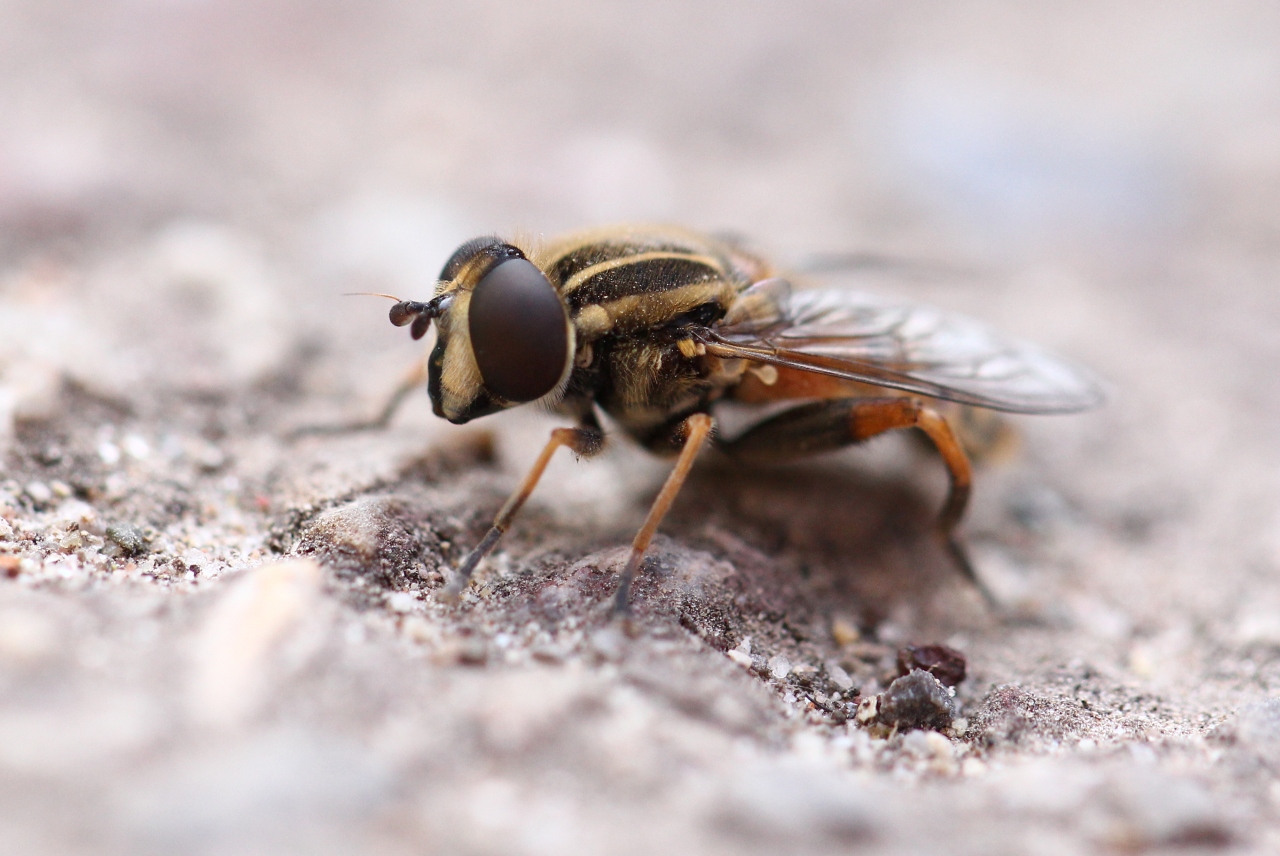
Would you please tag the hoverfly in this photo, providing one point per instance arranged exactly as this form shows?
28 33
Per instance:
654 326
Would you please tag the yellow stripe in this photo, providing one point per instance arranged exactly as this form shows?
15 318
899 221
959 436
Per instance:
583 275
647 309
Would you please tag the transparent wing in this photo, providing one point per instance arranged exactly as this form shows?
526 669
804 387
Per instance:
917 349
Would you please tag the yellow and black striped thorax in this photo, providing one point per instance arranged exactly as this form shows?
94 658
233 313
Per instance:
634 296
626 280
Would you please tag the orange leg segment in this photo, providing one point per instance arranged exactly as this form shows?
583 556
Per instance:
583 441
696 430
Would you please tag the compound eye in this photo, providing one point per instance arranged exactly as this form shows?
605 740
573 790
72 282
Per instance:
519 331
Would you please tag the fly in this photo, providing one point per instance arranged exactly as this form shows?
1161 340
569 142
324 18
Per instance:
656 325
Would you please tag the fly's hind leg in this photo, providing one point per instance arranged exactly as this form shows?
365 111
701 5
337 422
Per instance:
827 425
414 378
586 440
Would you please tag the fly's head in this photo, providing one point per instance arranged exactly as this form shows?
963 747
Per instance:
503 335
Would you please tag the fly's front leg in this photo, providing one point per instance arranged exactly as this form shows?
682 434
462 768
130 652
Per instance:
414 378
827 425
585 441
695 429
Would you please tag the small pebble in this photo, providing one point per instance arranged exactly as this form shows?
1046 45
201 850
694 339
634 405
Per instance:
6 531
917 700
943 662
109 453
932 747
60 489
939 746
72 541
415 627
839 677
39 492
128 539
844 631
136 447
402 601
779 667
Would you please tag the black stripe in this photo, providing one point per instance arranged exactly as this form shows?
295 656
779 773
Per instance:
585 256
651 276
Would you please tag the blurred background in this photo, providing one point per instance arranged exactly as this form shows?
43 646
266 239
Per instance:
363 128
288 151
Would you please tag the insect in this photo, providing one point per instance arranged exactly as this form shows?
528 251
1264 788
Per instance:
654 326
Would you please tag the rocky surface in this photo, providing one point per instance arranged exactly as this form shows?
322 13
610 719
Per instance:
216 637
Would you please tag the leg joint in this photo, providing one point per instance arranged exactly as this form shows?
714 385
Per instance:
870 418
585 442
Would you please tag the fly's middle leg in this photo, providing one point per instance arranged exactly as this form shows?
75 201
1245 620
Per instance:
827 425
696 429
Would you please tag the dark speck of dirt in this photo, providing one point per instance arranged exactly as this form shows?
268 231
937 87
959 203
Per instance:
916 700
943 662
127 539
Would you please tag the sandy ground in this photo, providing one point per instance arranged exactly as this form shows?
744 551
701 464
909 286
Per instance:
215 639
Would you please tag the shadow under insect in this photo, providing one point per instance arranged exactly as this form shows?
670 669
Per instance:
824 532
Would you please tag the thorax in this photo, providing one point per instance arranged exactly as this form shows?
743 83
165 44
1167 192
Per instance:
630 293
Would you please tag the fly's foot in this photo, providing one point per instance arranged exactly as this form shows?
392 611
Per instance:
450 595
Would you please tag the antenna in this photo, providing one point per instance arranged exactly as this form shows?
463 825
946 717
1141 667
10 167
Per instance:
371 294
417 313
